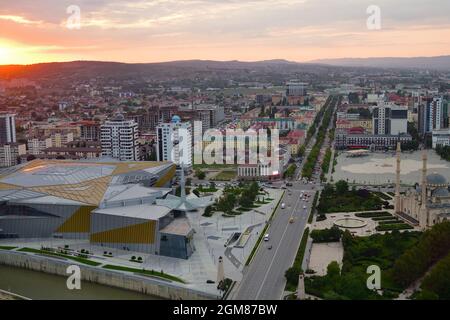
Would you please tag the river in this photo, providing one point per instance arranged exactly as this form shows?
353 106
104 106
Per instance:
42 286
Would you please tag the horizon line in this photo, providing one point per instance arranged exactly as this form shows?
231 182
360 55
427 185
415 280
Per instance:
315 61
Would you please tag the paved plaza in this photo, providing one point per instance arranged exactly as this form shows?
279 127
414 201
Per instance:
322 254
379 168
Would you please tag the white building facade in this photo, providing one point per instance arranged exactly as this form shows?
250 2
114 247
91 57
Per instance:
9 154
119 139
441 138
174 142
389 119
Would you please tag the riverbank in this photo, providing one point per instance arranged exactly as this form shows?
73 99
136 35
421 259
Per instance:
6 295
90 274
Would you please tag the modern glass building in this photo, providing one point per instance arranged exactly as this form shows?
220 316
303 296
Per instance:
109 203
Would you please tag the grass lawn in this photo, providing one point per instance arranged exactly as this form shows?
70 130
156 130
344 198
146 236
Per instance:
49 253
7 248
394 226
144 272
213 166
360 200
377 214
225 175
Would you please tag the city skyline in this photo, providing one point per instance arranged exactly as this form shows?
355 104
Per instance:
167 30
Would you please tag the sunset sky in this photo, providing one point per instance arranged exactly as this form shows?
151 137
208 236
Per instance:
164 30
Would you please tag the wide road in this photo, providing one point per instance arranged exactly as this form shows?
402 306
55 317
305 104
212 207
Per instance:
264 278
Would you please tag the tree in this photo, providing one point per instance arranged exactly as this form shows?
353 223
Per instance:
208 211
341 186
200 174
413 263
188 181
292 275
328 189
427 295
333 270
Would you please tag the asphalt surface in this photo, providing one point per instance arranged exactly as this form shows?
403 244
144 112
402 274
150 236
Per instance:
264 277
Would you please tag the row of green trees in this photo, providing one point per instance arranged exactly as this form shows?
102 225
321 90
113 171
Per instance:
444 152
436 284
326 162
415 262
290 171
311 161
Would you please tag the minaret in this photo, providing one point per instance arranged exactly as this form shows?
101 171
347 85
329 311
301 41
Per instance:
397 203
423 208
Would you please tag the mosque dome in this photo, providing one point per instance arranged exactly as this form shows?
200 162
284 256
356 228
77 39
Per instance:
176 119
435 179
441 192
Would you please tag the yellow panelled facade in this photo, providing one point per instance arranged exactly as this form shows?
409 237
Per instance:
167 177
90 191
79 222
144 233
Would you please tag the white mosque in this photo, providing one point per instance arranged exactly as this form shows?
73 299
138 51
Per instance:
426 204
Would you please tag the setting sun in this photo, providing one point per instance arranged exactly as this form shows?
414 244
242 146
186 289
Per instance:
5 55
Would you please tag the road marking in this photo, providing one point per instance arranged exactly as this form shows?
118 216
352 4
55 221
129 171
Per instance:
275 254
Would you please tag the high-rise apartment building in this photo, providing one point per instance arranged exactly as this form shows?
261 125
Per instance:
296 88
119 139
10 153
210 115
432 115
174 142
389 119
89 130
7 128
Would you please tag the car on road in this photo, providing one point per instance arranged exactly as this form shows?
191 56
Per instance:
283 205
266 237
291 220
304 207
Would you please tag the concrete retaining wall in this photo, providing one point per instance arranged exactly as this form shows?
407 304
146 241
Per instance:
131 282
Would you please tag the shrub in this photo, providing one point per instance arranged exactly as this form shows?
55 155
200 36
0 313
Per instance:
327 235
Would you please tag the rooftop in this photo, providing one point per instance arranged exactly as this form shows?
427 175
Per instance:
82 181
143 211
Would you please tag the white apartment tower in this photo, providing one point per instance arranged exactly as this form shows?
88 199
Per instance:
174 142
119 139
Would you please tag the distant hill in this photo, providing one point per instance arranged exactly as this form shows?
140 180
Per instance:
432 63
189 69
160 70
